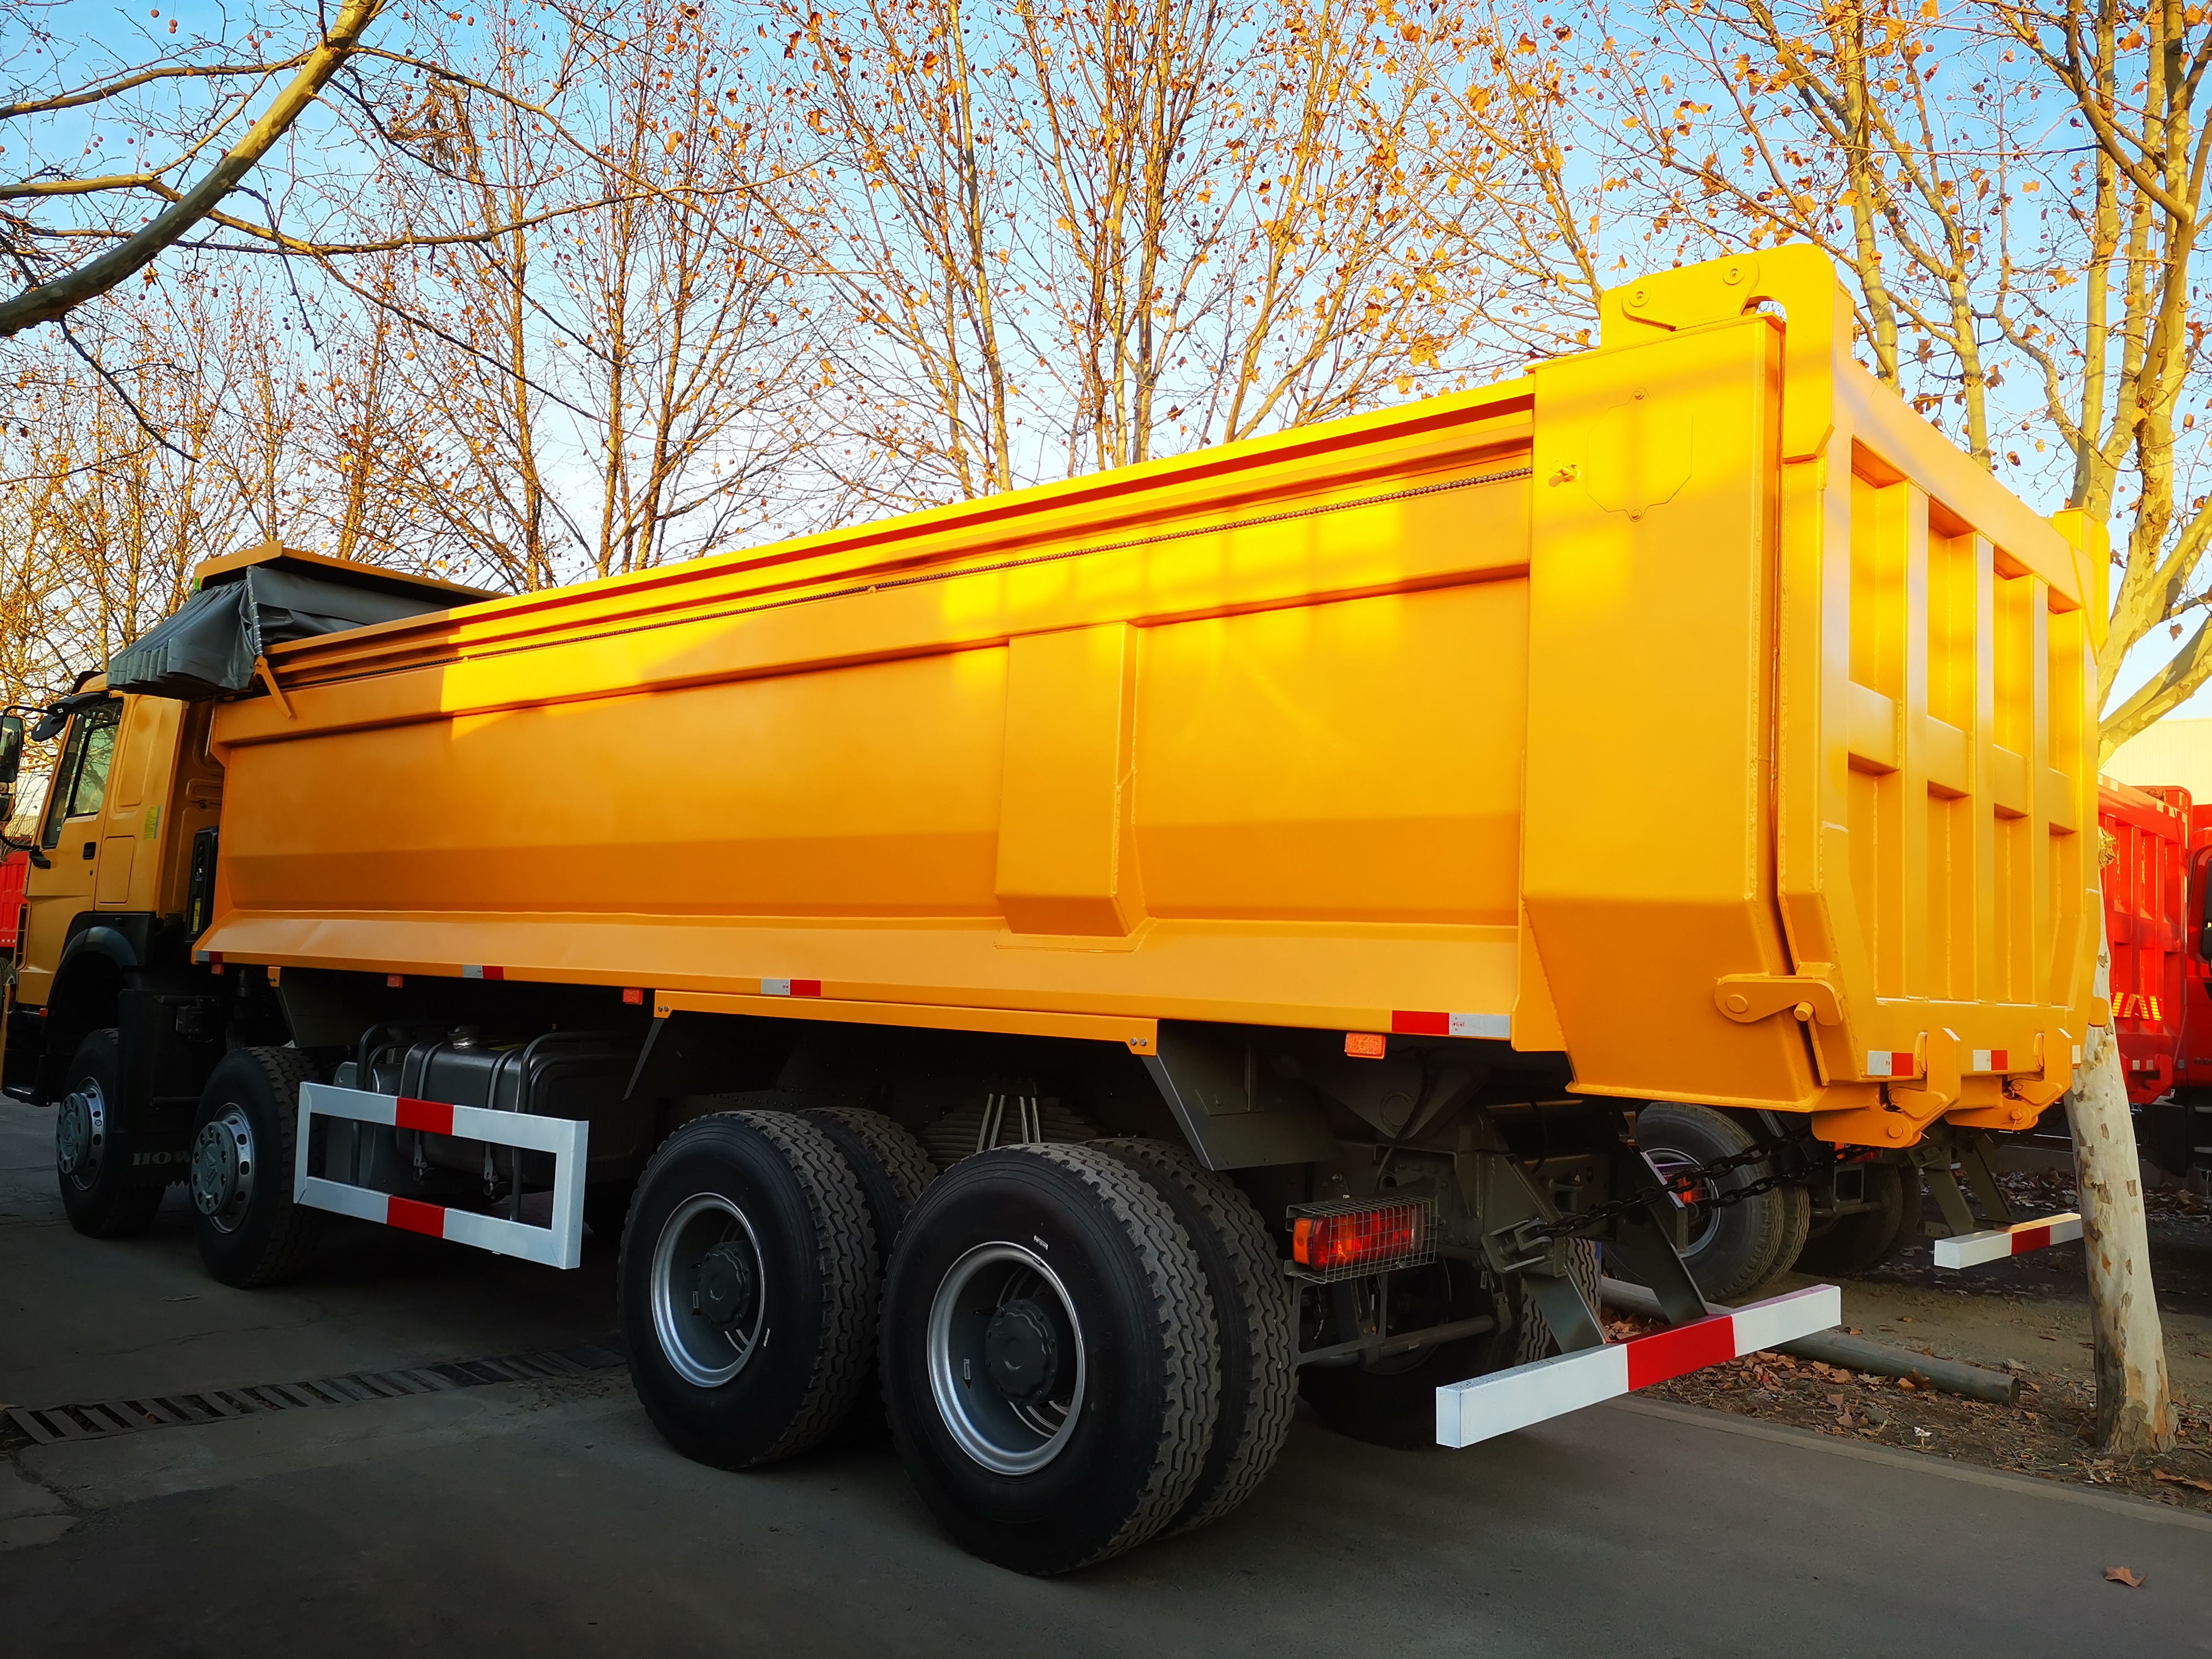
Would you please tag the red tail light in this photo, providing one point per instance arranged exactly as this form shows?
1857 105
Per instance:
1361 1241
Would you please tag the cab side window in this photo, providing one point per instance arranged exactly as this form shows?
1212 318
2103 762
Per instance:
81 781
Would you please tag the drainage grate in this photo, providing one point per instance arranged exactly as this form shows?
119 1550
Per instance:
46 1425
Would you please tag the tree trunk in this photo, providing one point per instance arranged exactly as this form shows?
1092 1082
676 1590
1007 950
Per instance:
2135 1412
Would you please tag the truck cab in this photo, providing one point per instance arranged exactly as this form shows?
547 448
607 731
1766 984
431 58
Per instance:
121 880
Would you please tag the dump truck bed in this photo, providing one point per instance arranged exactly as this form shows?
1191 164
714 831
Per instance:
1688 707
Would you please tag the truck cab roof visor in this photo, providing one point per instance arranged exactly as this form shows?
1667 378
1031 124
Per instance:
55 716
208 648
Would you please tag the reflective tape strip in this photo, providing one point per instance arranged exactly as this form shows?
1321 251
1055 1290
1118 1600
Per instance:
1890 1062
1993 1060
412 1216
1486 1407
433 1116
1972 1249
472 970
561 1245
1414 1022
791 987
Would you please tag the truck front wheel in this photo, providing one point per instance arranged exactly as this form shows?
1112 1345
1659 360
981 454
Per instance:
91 1157
748 1293
1051 1366
251 1232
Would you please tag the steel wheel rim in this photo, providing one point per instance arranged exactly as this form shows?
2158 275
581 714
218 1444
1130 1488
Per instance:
223 1169
703 1351
1005 1434
1704 1220
81 1134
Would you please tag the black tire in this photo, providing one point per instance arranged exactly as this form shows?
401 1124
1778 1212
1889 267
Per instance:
893 1170
890 1164
1256 1309
774 1190
1535 1340
1735 1249
251 1232
92 1152
1864 1240
1392 1402
1105 1329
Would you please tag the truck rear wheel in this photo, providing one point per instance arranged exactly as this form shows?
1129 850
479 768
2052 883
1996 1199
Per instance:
1866 1238
893 1170
1735 1248
1392 1402
748 1288
1050 1365
91 1154
251 1232
1256 1309
889 1164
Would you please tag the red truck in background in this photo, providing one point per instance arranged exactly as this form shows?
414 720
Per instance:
2156 889
13 869
2146 883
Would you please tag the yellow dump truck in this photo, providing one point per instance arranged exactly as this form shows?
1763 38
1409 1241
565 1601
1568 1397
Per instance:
1168 940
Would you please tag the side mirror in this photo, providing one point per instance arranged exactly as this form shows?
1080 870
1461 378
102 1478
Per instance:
11 751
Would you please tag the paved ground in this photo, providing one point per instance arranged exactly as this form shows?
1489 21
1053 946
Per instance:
548 1514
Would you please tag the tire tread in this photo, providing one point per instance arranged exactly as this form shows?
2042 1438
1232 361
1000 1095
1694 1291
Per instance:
847 1255
291 1243
1257 1407
1184 1320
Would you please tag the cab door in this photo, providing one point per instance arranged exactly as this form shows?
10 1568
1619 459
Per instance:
69 837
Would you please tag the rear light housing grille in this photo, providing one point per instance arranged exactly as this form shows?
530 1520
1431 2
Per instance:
1352 1237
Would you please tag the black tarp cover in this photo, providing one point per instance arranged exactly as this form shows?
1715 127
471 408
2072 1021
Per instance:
207 649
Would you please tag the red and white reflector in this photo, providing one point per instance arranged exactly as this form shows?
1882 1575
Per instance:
561 1245
791 987
1484 1407
1891 1063
1972 1249
1419 1022
482 970
1992 1059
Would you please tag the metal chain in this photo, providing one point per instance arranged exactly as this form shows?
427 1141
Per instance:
1683 1186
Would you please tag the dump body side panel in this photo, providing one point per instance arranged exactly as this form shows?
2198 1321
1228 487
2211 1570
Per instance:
1258 765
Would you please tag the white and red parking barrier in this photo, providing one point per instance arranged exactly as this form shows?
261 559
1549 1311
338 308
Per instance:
1485 1407
1972 1249
561 1245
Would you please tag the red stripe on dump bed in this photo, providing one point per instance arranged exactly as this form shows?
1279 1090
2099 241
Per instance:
431 1115
1677 1353
410 1216
1415 1022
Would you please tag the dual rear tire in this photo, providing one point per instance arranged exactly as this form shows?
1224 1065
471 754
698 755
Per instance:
1054 1322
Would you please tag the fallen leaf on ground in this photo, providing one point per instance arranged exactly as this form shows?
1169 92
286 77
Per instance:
2123 1576
2182 1481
